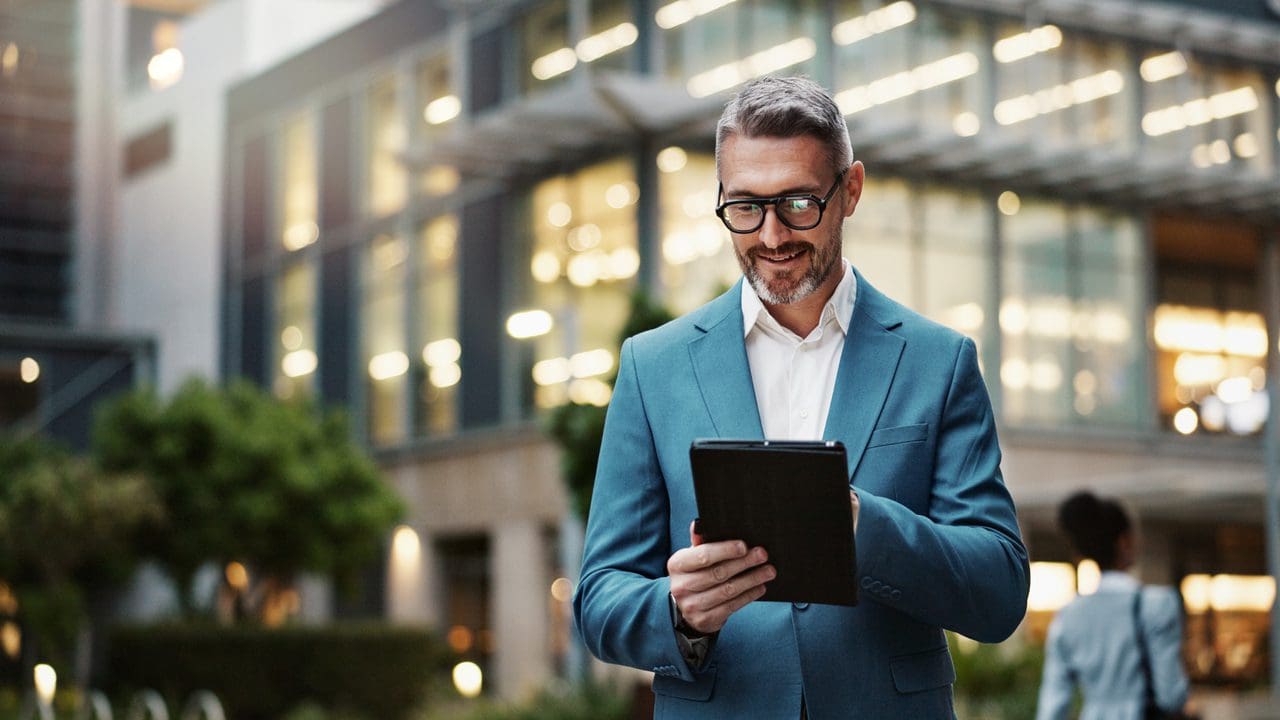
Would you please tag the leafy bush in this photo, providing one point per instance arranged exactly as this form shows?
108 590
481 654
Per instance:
999 682
368 670
244 477
67 531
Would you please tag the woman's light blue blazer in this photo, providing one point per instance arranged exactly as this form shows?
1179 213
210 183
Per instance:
938 544
1092 646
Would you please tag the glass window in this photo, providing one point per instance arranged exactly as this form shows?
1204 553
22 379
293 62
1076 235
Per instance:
1035 313
583 263
1109 377
386 173
1210 336
295 331
547 54
899 63
954 260
383 323
437 319
1209 116
1071 315
716 46
698 259
299 183
440 109
925 247
877 238
611 33
1062 89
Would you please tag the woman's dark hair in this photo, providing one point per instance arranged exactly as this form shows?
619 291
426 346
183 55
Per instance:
1093 525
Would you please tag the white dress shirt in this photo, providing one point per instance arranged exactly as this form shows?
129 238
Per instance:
794 377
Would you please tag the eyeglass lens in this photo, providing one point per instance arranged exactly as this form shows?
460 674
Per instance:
798 213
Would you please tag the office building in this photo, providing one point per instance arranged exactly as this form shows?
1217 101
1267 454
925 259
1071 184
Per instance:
437 217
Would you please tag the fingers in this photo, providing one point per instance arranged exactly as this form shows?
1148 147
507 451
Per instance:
694 538
708 610
698 557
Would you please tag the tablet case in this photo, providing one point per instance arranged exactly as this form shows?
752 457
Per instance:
790 497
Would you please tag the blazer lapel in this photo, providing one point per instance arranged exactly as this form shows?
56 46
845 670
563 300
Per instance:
720 365
867 367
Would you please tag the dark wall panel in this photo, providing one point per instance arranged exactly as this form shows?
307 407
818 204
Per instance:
335 166
486 70
254 192
253 331
337 337
482 327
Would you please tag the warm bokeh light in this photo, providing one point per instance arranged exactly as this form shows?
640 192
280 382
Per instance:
11 639
460 638
237 575
406 547
468 679
776 58
1009 203
46 681
875 22
1163 66
1053 585
442 110
1186 421
441 352
1088 575
529 323
908 82
680 12
672 159
29 370
1228 593
966 124
561 589
1025 44
388 365
165 68
299 363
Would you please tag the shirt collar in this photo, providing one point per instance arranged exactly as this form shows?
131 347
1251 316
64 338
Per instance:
1114 580
839 305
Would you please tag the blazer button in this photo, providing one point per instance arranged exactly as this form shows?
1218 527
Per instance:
800 605
866 582
895 594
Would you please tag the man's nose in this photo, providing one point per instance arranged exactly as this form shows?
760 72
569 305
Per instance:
772 232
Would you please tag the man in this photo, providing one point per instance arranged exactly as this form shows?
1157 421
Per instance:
804 348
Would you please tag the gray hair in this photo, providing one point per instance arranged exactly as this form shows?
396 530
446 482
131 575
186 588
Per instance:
787 107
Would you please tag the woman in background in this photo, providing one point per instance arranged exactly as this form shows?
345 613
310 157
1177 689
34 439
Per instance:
1093 641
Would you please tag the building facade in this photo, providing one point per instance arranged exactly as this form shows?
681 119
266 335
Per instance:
438 216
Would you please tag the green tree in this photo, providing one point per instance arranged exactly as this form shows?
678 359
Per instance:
67 532
244 477
579 428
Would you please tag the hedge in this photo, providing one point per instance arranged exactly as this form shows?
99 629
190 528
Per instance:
373 670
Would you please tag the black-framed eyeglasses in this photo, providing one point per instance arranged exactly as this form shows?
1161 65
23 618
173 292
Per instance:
798 212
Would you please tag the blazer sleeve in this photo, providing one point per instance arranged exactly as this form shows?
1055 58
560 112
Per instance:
962 566
621 605
1162 621
1056 684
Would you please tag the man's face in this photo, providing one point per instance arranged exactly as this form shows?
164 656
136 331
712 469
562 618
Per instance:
783 265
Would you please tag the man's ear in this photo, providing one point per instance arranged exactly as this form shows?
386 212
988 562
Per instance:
853 186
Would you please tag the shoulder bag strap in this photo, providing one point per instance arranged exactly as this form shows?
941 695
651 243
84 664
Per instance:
1144 659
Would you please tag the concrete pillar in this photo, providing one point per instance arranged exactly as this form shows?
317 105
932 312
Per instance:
521 588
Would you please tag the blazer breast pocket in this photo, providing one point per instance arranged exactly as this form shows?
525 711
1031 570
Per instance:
899 435
897 464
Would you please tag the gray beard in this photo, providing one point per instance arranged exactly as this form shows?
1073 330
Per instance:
809 282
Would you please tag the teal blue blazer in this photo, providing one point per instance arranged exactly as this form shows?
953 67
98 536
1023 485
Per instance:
938 544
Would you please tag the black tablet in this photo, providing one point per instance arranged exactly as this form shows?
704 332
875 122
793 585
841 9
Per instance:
790 497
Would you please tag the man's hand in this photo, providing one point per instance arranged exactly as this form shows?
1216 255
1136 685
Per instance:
711 581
